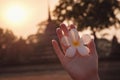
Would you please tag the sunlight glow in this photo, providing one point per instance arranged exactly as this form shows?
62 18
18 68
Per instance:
15 14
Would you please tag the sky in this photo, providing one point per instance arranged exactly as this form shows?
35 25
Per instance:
22 16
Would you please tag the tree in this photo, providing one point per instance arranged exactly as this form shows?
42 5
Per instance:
19 52
96 14
7 38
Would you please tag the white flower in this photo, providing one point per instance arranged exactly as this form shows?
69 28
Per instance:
74 43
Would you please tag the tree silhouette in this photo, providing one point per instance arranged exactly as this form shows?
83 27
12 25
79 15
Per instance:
7 38
96 14
19 52
14 50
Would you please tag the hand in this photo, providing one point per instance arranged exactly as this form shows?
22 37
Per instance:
79 67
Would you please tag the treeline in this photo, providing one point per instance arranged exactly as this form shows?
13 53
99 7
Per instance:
16 51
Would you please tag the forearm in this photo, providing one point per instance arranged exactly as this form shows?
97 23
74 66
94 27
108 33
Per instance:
86 78
92 76
95 77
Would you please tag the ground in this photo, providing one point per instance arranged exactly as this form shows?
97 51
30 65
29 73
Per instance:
108 70
47 75
34 72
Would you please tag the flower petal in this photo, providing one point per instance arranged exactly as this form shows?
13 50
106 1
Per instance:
70 52
83 50
65 41
86 38
73 34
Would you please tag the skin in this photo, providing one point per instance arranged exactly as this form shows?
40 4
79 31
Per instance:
78 67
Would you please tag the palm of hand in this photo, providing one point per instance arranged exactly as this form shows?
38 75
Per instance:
81 66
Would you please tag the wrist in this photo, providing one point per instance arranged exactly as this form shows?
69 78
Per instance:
95 77
92 76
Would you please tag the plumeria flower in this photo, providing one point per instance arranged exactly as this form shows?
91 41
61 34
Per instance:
75 43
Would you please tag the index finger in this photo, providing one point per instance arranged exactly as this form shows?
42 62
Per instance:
57 50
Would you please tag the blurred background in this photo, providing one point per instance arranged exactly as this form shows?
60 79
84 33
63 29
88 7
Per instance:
28 26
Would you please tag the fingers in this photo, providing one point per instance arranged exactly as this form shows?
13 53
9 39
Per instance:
64 28
59 33
89 42
57 50
62 34
72 26
92 47
86 38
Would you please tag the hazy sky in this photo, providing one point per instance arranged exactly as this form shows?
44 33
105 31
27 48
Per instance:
30 12
22 16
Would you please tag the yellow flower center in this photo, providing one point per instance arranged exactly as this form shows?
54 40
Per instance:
76 43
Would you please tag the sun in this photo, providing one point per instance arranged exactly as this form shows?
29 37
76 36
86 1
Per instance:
15 14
